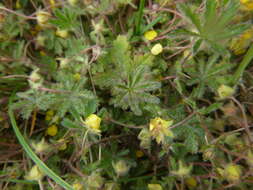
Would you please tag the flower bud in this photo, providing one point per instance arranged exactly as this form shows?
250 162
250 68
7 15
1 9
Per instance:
145 138
191 182
40 40
35 174
49 115
183 170
61 33
121 168
154 187
77 186
42 17
225 91
63 144
157 49
63 62
95 180
52 130
93 122
41 146
77 76
35 77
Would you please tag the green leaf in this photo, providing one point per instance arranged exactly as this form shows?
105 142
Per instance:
190 16
209 109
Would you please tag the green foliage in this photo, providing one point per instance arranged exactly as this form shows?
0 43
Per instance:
103 112
130 80
206 74
213 27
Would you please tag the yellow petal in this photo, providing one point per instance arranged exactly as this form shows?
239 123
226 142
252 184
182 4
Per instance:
52 130
154 187
62 33
93 121
150 35
157 49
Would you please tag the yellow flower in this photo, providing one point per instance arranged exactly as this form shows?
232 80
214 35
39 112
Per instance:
247 4
154 187
35 174
159 128
93 122
232 172
77 76
52 130
240 44
49 115
157 49
225 91
42 17
150 35
61 33
52 3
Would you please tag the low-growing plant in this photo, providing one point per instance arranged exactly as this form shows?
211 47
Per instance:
129 94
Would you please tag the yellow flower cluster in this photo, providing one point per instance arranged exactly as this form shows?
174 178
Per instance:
157 48
159 129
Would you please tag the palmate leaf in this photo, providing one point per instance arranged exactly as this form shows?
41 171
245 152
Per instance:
133 91
129 80
212 26
206 75
66 18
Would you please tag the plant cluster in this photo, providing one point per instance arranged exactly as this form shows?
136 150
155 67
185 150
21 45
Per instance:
125 94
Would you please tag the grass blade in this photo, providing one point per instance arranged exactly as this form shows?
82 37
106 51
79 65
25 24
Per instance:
34 157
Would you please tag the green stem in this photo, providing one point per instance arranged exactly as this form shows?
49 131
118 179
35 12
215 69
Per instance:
246 60
140 14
